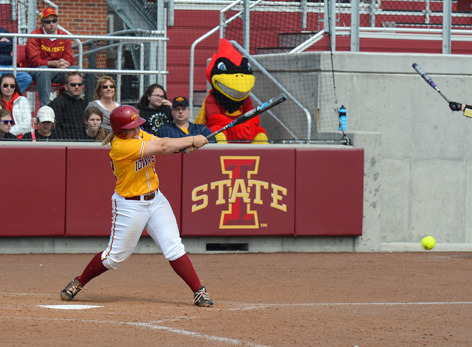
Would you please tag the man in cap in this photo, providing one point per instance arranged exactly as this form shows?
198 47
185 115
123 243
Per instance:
181 126
48 54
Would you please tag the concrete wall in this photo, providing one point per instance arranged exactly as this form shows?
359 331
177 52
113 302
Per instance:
425 152
423 159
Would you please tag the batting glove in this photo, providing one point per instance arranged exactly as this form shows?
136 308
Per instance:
455 106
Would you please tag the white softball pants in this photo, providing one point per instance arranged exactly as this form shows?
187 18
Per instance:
130 217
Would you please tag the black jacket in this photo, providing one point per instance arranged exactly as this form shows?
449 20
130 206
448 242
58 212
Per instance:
69 113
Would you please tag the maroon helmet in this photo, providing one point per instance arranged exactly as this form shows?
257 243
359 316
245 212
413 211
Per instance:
125 117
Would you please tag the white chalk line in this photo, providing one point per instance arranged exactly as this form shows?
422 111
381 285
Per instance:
150 325
246 307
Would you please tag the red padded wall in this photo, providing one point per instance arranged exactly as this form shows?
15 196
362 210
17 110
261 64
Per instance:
90 185
32 199
238 192
169 171
329 189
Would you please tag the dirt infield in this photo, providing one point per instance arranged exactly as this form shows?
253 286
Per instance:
306 299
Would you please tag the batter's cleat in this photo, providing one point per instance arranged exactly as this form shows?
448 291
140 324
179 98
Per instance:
71 290
201 298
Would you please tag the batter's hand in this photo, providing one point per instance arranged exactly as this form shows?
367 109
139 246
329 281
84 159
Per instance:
199 141
455 106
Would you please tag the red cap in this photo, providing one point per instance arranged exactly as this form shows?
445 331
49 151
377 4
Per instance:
48 12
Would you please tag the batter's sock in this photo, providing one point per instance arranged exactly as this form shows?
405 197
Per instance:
93 269
184 268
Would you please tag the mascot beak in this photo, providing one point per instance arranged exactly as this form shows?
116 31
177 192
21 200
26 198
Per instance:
235 86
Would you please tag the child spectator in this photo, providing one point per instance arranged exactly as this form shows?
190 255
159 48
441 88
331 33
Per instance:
6 122
45 131
93 121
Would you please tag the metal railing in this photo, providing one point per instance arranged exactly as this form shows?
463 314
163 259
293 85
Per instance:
122 41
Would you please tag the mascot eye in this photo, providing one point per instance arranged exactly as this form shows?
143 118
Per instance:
249 67
222 67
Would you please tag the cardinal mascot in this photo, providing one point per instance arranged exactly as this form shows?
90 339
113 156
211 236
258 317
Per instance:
231 79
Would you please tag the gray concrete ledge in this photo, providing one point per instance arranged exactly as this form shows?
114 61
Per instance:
192 245
219 245
416 247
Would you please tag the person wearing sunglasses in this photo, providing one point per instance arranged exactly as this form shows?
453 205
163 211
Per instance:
104 99
24 79
48 54
6 123
69 107
16 104
154 108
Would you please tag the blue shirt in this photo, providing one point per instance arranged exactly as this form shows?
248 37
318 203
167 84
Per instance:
172 130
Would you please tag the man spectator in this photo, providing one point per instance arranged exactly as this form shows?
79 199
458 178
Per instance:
6 45
48 54
181 126
69 107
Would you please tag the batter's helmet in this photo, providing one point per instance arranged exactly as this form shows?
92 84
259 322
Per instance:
125 117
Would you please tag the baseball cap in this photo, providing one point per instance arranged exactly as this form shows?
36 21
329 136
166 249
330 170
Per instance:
48 12
46 114
180 101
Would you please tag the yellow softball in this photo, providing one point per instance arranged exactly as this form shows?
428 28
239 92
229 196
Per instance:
428 242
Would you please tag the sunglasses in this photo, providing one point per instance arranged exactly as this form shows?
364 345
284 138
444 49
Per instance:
9 121
106 87
12 86
76 84
49 21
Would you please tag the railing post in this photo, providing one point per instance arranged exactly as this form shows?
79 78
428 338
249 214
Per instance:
447 13
332 24
355 25
247 25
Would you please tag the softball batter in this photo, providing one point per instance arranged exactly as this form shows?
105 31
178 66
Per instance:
138 203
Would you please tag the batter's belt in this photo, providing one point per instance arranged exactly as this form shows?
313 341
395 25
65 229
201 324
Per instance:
144 197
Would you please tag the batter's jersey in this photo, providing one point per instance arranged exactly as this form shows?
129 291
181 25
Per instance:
134 174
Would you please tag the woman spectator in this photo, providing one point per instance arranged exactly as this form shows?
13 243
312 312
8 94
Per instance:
155 108
18 106
105 99
93 121
45 131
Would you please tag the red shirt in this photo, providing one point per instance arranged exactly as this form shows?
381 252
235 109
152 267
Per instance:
40 50
8 105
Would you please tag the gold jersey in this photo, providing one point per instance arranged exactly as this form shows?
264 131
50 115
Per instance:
134 174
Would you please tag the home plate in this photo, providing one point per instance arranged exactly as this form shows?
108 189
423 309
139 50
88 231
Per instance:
69 307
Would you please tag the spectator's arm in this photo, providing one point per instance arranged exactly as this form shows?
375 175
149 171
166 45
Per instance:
22 117
68 53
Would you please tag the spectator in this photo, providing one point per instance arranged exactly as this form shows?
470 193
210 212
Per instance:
6 123
104 99
45 131
69 107
6 45
48 54
154 108
18 106
181 126
93 121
